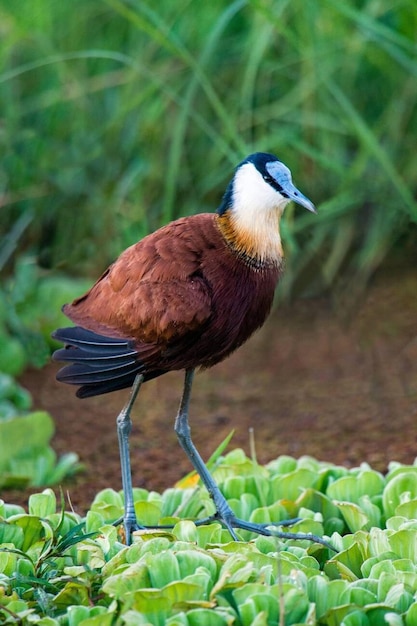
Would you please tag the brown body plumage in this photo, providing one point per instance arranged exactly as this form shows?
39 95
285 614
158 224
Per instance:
186 296
182 296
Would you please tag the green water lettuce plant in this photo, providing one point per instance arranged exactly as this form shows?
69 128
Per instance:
57 568
26 457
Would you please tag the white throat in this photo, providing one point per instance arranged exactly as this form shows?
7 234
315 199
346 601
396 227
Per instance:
257 209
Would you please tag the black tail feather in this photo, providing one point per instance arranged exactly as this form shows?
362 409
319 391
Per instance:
90 390
94 358
84 373
80 337
99 364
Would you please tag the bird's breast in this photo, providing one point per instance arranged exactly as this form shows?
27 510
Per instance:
242 293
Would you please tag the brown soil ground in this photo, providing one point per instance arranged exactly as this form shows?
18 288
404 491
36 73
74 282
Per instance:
309 383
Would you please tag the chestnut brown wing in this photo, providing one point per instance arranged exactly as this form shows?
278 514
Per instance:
155 292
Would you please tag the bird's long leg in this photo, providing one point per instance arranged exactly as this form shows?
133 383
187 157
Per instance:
224 513
124 427
182 428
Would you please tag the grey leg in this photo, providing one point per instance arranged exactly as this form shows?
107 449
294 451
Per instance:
124 427
182 428
224 513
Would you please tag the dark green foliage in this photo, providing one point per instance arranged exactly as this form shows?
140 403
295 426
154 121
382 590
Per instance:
30 309
26 457
120 115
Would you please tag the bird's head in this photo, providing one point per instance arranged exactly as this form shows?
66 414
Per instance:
253 203
262 183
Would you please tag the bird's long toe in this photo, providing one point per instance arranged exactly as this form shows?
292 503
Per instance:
271 529
231 522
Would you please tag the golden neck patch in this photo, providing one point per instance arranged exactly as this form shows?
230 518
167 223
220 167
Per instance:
260 246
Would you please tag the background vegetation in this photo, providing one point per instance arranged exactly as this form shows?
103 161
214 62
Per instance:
120 115
117 116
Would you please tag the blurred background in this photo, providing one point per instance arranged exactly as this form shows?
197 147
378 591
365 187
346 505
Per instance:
117 116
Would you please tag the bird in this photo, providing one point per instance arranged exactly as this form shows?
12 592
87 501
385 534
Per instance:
184 297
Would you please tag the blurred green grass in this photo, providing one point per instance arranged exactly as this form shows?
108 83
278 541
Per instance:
120 115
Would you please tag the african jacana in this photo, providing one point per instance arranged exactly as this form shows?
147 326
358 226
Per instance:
185 296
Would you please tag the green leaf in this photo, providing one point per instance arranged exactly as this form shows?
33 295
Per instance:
175 594
290 486
360 593
349 562
96 616
208 617
319 502
400 489
33 530
74 593
325 594
189 561
351 488
42 504
163 569
273 514
407 509
8 561
256 604
76 614
354 618
24 433
354 517
282 465
411 615
404 544
148 513
131 578
67 465
109 504
398 597
11 534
